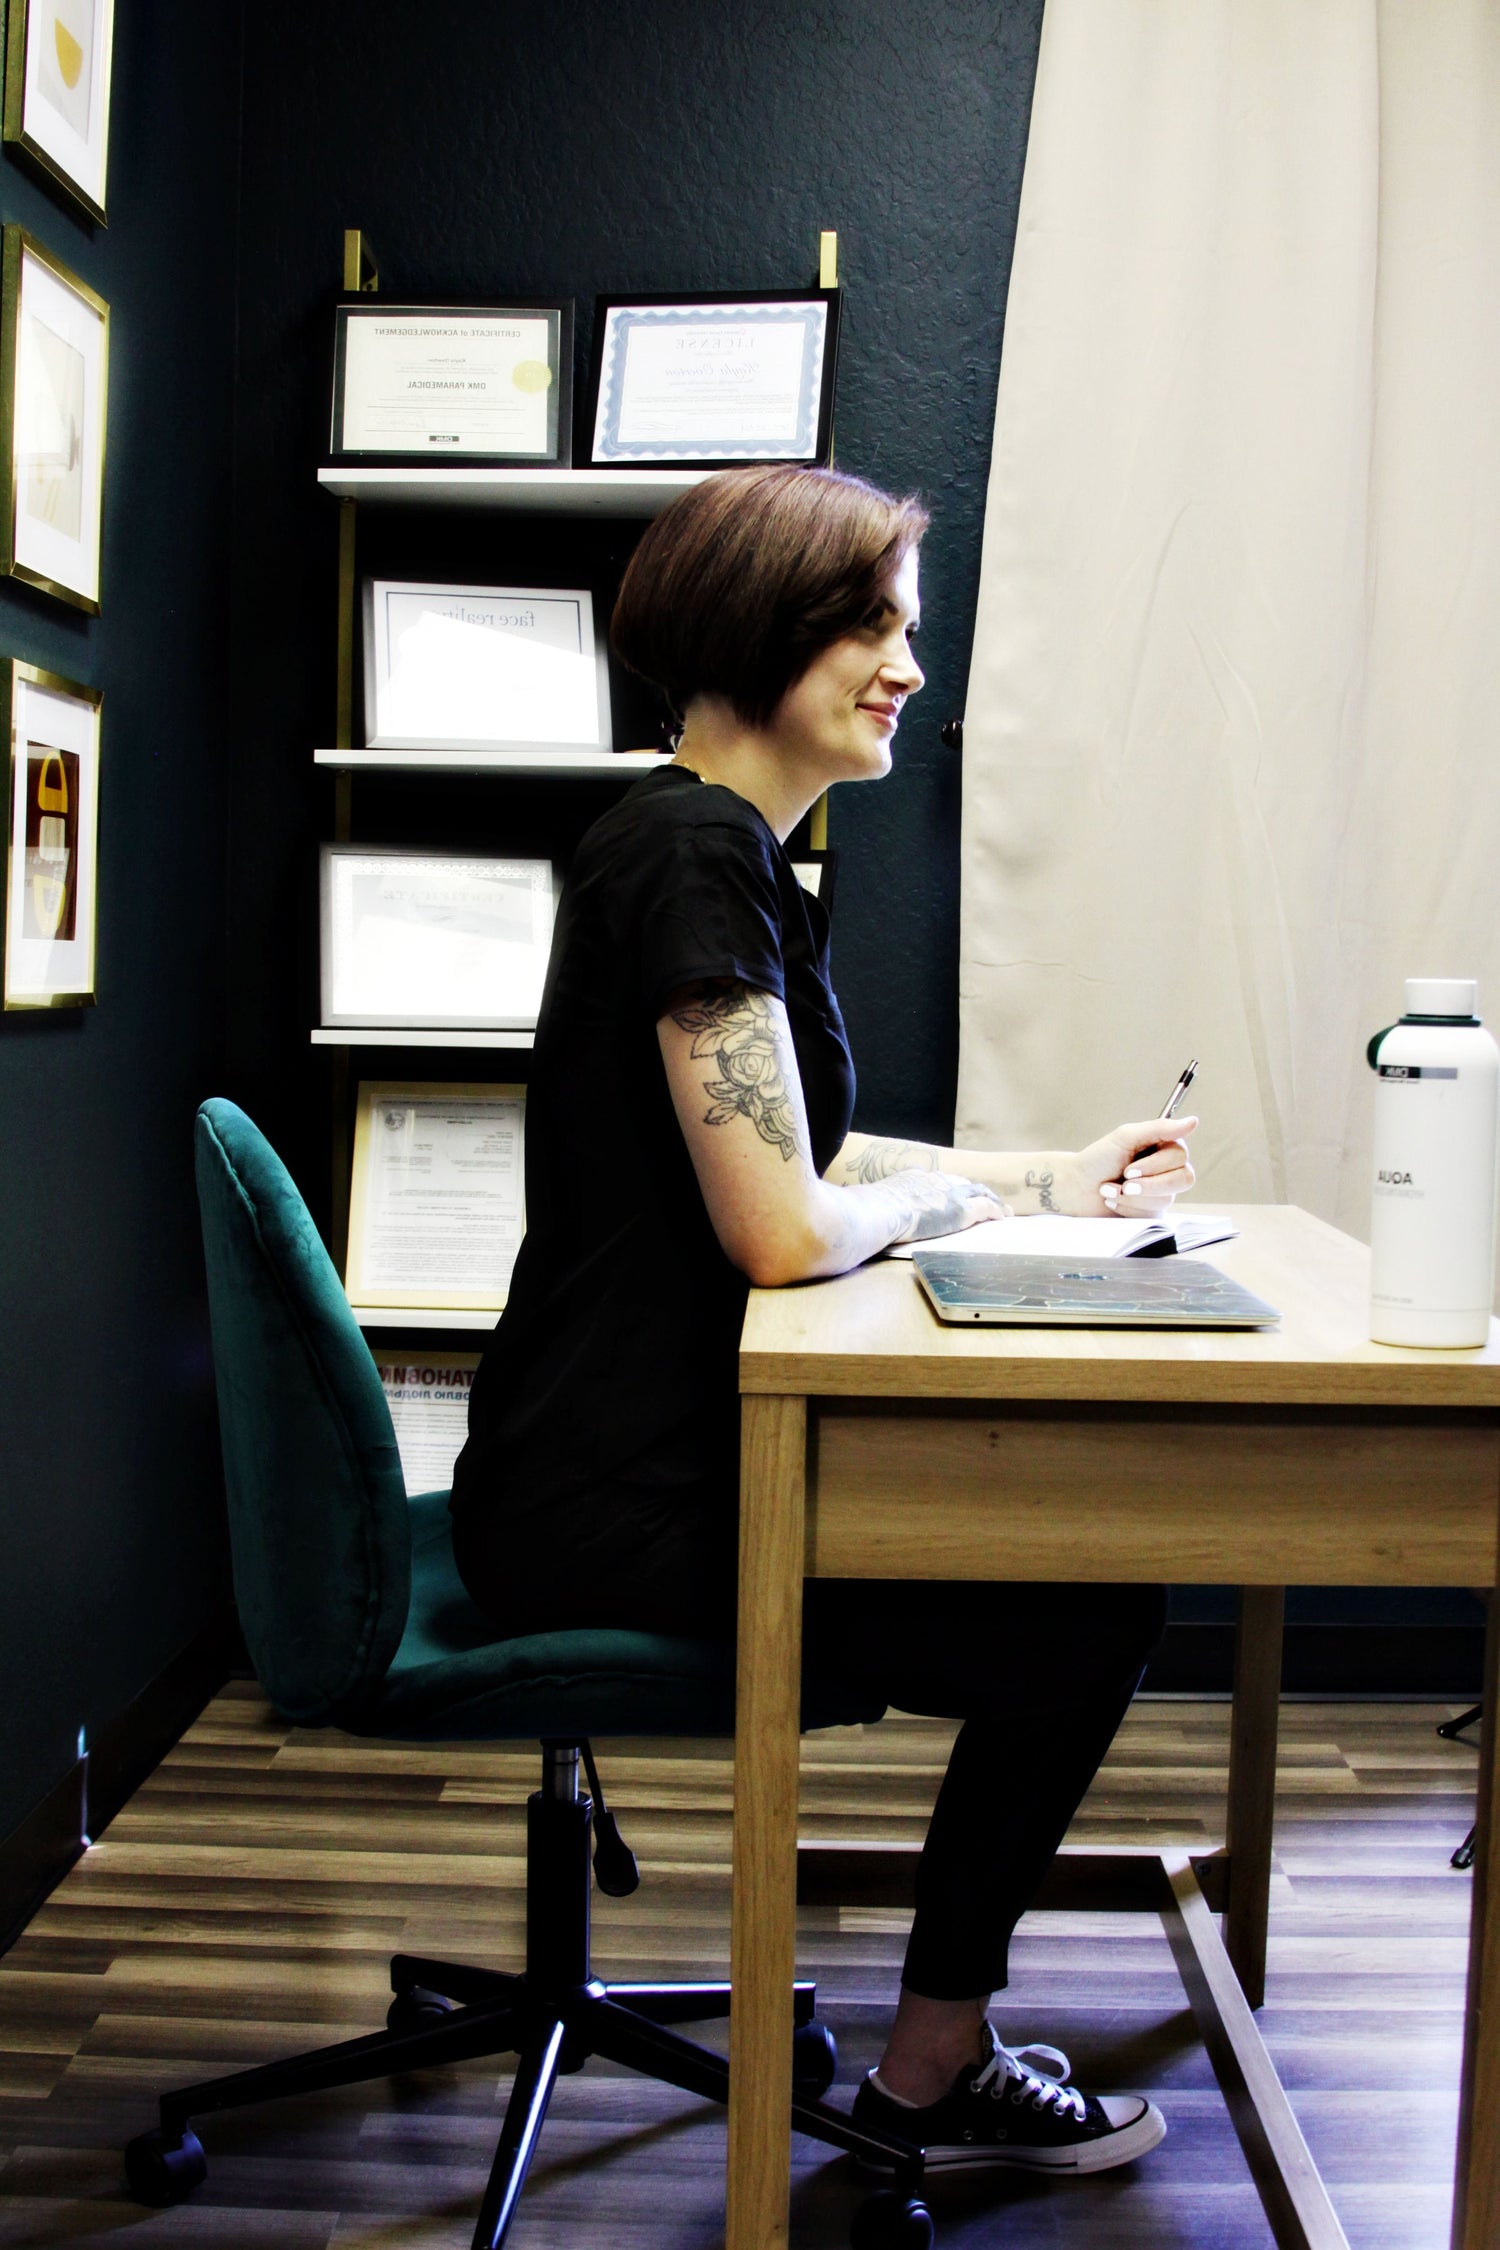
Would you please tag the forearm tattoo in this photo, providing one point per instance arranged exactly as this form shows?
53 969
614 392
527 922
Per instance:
877 1160
736 1030
1042 1182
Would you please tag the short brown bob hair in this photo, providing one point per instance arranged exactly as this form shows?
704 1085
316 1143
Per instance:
743 581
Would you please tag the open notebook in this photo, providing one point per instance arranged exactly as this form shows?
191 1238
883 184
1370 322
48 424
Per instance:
1049 1236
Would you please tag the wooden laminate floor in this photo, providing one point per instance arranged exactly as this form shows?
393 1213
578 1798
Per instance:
246 1902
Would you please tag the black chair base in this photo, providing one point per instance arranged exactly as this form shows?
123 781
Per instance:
553 2017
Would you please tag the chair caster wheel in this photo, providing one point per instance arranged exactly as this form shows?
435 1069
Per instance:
892 2221
417 2009
815 2058
160 2170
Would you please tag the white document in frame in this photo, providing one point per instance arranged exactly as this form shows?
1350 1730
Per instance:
435 939
429 1405
484 667
478 383
438 1208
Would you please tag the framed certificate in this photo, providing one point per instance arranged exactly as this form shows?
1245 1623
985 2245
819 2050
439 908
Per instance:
817 871
52 851
57 58
54 377
487 384
519 668
448 941
429 1402
437 1198
701 382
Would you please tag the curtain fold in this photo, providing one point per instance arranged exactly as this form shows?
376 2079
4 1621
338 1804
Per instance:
1230 767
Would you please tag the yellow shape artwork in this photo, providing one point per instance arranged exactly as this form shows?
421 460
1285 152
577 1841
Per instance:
69 54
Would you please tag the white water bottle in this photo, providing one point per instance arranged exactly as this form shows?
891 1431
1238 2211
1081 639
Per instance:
1432 1226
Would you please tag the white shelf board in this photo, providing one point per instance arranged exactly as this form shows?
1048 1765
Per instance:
371 1035
420 1316
551 492
557 765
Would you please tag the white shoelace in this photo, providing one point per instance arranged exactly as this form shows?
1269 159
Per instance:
1044 2088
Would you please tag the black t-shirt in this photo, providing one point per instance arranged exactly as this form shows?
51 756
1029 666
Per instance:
615 1357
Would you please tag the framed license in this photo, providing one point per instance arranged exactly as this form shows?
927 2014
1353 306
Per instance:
519 668
57 58
54 377
491 385
817 872
429 1404
437 1198
448 941
701 382
51 859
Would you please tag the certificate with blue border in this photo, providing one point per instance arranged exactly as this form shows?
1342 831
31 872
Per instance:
705 382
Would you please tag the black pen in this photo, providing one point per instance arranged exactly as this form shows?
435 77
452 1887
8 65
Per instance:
1175 1097
1173 1103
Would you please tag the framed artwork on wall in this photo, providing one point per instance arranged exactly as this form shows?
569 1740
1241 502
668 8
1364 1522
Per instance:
52 843
437 1201
520 668
57 60
54 386
703 382
488 385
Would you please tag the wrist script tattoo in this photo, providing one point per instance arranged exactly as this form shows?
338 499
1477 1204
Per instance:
877 1160
737 1031
1042 1182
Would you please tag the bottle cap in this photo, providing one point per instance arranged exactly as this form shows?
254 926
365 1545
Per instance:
1442 996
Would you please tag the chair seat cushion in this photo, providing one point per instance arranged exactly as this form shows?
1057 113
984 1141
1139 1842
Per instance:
453 1679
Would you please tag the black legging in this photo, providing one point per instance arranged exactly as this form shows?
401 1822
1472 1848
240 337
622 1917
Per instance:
1040 1677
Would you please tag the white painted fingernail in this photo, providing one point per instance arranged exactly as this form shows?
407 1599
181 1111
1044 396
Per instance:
1131 1187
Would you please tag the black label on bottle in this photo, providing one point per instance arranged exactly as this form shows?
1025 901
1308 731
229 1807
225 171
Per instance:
1414 1070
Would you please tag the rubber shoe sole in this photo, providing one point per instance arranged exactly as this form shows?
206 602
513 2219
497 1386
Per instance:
1101 2153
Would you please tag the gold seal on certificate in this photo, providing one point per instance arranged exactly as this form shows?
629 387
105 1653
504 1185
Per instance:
484 384
702 382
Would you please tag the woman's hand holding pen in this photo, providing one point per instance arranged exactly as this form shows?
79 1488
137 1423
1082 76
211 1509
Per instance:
1133 1172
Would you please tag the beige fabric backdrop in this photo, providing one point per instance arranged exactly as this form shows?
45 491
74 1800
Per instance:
1231 767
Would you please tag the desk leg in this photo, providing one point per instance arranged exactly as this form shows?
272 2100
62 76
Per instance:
1476 2191
1252 1782
773 1502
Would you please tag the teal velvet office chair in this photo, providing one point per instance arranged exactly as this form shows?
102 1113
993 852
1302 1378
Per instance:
355 1616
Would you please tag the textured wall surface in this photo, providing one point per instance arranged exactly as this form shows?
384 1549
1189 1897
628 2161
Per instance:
577 149
112 1546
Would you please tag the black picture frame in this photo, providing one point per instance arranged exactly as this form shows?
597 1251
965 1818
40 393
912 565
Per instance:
630 456
559 313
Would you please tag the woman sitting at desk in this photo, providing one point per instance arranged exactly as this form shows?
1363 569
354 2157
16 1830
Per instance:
687 1135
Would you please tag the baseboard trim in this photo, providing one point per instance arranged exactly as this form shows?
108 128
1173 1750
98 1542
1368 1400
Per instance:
35 1857
1396 1660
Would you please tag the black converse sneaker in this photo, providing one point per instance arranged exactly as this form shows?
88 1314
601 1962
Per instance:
1014 2108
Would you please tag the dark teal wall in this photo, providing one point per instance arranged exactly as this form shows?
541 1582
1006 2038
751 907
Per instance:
112 1547
578 148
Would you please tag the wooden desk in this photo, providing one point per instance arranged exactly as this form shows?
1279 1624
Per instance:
878 1443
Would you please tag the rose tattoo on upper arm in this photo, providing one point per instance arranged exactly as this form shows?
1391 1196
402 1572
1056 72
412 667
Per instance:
735 1028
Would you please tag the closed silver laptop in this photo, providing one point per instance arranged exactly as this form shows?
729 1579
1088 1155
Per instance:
1007 1291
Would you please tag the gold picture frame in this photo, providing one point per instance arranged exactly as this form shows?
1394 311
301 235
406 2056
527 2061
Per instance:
404 1213
54 407
58 60
50 884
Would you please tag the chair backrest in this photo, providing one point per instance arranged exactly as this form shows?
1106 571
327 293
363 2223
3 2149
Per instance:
318 1521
